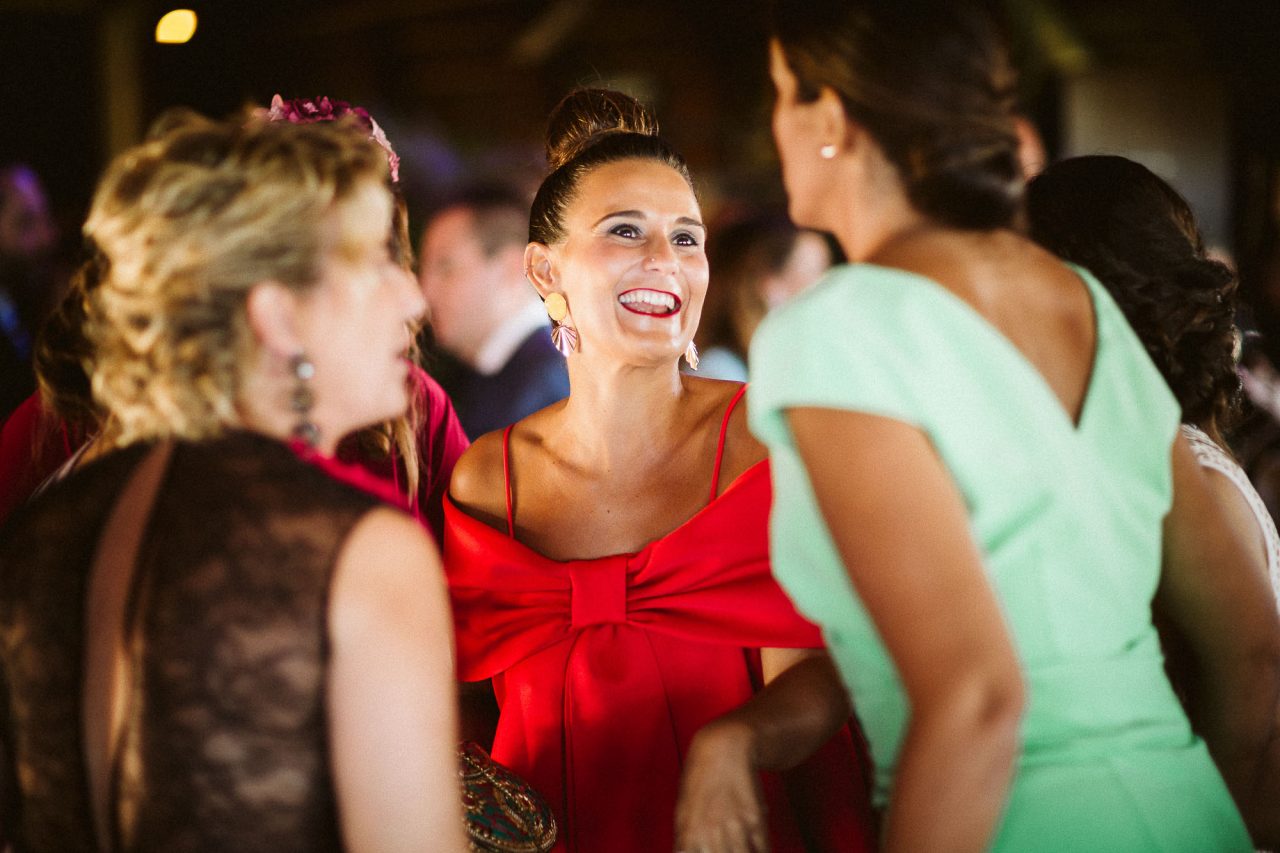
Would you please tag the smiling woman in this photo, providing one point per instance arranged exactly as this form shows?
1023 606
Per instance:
633 268
607 555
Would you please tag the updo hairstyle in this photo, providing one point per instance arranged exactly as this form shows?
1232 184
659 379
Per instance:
1138 236
931 81
187 223
589 128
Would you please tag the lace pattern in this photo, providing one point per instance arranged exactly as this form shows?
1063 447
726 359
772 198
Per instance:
224 746
1213 457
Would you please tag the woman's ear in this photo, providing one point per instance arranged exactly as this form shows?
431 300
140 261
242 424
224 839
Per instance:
272 312
833 123
538 268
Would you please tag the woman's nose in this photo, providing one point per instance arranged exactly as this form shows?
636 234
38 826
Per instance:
412 299
662 256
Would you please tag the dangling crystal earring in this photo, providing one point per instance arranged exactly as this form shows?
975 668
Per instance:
564 336
301 399
691 355
827 152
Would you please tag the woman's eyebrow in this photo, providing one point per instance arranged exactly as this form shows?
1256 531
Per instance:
639 214
633 214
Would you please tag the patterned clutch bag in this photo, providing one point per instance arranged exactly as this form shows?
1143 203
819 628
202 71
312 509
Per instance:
504 814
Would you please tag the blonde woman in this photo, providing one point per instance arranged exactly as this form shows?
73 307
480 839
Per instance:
207 641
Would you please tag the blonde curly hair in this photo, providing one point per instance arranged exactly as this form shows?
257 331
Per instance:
187 223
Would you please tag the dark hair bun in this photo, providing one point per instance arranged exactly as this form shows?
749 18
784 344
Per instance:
589 128
975 183
585 115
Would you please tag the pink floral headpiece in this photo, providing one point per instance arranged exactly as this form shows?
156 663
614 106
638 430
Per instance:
305 111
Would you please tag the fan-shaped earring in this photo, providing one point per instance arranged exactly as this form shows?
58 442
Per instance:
691 355
563 336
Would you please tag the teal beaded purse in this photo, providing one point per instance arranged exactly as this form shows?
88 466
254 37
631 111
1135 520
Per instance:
504 814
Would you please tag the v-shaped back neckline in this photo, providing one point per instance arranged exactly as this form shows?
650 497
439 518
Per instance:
1095 291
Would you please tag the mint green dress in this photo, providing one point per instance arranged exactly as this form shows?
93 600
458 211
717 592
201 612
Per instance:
1068 518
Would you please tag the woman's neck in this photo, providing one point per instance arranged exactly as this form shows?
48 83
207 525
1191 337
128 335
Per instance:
868 209
871 231
617 415
263 408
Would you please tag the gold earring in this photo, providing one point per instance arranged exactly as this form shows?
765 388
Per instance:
557 307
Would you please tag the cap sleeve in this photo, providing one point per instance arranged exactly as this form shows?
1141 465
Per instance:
859 341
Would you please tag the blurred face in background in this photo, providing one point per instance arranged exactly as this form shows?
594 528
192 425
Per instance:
810 257
460 281
27 231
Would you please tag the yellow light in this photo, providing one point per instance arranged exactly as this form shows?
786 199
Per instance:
176 27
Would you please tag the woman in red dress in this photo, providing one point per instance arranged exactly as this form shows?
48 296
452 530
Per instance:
607 556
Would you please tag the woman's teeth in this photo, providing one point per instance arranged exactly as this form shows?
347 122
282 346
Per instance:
652 302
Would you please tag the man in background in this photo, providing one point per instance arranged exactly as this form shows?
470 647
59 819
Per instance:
484 314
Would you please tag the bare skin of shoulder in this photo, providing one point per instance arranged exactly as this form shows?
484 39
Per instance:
1050 323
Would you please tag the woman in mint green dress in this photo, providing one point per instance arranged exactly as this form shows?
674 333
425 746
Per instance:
980 485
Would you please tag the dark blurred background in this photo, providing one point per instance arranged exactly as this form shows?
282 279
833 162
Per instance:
1190 88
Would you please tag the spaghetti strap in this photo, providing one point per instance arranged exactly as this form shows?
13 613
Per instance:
506 478
724 430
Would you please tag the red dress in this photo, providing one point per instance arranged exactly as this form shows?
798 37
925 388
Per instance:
604 669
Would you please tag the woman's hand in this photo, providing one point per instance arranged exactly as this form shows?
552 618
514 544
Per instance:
721 807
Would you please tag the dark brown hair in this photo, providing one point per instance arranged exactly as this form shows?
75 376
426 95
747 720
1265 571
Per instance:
1138 236
589 128
931 81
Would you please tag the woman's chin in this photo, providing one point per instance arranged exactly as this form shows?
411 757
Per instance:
390 409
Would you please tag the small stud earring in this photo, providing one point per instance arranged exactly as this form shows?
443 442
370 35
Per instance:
827 152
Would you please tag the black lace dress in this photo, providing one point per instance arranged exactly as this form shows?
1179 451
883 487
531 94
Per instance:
224 741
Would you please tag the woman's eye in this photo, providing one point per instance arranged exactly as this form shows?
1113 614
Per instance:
630 232
684 238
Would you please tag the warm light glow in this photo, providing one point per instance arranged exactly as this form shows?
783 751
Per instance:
177 27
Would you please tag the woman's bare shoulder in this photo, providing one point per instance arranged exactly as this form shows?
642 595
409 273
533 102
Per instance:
741 450
386 557
478 486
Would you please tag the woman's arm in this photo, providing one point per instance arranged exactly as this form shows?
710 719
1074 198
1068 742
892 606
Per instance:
1215 597
803 704
392 716
902 530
